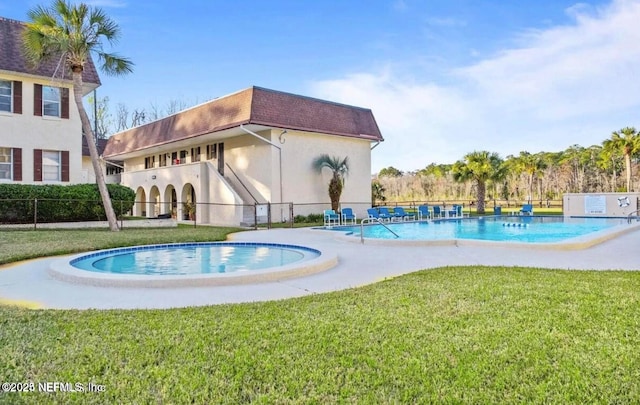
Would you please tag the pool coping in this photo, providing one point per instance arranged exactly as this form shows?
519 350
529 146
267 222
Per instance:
62 269
577 243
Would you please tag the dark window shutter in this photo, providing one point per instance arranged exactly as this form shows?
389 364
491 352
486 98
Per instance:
221 158
17 97
17 164
64 108
64 169
37 165
37 102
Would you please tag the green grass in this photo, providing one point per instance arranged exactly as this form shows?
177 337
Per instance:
452 335
472 335
28 244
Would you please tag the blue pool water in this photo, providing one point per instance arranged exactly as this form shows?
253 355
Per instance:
193 258
503 229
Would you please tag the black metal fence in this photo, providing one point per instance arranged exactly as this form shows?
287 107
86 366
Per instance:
42 211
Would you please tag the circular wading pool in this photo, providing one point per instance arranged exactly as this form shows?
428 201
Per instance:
191 264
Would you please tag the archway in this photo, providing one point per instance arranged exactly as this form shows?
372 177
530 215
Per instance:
141 201
188 198
170 205
154 202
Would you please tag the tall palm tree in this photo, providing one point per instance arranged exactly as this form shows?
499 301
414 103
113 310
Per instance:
72 32
626 142
532 166
340 169
479 167
609 159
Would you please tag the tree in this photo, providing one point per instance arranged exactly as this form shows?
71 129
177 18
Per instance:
479 167
377 192
390 172
73 32
100 116
339 169
532 166
627 143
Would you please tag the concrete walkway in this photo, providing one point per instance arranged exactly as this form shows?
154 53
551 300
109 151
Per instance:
359 264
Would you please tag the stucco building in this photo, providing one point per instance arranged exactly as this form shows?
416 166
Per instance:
243 150
40 128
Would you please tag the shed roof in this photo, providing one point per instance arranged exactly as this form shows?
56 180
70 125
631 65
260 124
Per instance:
255 105
12 57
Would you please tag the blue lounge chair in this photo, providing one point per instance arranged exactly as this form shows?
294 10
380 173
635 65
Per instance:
373 213
385 214
424 212
437 212
456 211
527 209
399 212
348 216
331 218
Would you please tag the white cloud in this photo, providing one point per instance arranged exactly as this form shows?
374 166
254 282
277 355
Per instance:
561 86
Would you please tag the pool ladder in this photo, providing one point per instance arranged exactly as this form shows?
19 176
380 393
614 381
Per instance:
369 220
630 216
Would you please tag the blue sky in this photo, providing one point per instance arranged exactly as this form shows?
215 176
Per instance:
443 77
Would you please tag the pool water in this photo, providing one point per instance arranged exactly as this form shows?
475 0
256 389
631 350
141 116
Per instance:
193 258
503 229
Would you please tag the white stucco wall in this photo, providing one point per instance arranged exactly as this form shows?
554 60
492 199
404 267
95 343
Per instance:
257 165
303 185
208 185
599 204
30 132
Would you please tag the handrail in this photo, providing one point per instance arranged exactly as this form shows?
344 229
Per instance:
631 213
241 183
367 220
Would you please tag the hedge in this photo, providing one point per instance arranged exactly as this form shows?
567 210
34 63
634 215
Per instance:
56 203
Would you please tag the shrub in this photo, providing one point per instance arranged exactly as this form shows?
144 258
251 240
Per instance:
19 203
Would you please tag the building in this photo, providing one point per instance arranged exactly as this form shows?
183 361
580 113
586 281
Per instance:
232 156
40 128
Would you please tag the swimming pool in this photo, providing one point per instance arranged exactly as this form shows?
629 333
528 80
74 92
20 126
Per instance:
527 229
193 258
192 264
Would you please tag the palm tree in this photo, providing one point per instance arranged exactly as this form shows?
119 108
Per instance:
72 32
626 142
532 165
479 167
340 169
377 192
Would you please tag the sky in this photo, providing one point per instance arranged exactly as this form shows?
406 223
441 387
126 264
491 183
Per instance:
443 77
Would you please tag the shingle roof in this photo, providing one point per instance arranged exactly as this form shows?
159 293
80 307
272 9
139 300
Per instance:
100 145
12 58
254 105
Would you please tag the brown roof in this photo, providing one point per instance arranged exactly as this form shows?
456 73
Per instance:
254 105
12 58
100 145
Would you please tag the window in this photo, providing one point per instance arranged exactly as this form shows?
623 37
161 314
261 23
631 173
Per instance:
195 154
6 88
50 165
212 151
163 159
149 162
6 164
51 101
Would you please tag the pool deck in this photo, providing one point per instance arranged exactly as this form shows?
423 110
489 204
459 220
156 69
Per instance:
359 264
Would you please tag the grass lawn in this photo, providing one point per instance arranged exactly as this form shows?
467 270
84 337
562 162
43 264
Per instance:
28 244
456 334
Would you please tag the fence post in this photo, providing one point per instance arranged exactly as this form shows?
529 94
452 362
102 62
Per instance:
291 213
35 213
255 215
268 214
